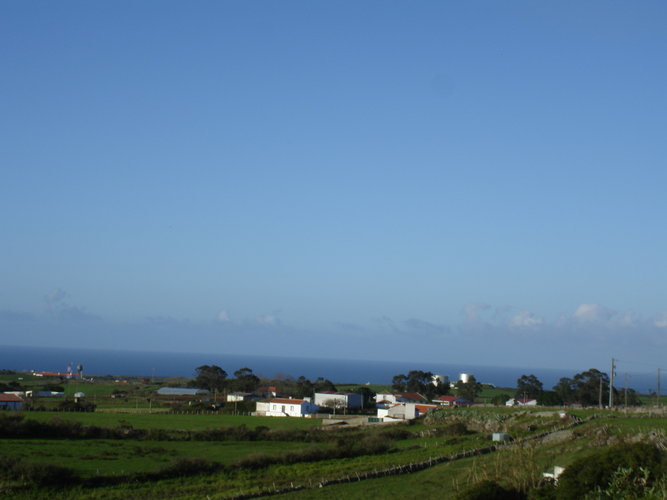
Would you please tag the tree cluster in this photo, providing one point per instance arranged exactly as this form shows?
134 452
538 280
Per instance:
470 389
215 379
588 388
421 382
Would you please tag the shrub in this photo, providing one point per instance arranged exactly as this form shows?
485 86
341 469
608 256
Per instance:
597 471
186 467
37 474
456 429
489 490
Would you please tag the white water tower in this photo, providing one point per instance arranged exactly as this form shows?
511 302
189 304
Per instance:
465 377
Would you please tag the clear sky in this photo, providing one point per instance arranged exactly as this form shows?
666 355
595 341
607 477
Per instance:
481 181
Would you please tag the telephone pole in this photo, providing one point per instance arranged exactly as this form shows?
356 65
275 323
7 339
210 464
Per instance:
611 383
657 392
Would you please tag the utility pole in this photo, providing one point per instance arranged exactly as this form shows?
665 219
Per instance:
657 392
611 383
626 391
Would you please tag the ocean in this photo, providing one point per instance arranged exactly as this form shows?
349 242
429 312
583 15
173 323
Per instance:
182 364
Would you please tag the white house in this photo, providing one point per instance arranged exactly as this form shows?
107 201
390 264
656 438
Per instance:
521 402
398 411
281 407
338 399
389 398
240 396
403 411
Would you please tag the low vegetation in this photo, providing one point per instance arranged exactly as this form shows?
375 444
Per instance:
144 451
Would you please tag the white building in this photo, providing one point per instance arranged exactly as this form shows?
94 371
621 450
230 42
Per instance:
521 402
403 411
339 399
280 407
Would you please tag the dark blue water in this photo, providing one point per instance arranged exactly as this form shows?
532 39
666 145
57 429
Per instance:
183 364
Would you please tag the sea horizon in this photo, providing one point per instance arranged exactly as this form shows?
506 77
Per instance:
103 362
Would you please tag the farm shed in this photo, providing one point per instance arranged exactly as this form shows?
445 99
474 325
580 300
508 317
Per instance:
10 402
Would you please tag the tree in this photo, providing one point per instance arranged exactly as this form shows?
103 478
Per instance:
304 388
324 385
398 382
588 388
419 381
500 399
591 387
334 404
630 398
470 389
549 398
565 389
367 396
245 380
210 377
528 386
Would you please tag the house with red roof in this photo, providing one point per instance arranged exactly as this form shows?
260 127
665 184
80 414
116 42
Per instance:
10 401
449 400
288 407
386 399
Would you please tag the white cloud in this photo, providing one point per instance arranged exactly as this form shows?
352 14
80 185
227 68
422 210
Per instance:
269 320
223 317
473 311
56 295
422 326
593 313
661 321
526 319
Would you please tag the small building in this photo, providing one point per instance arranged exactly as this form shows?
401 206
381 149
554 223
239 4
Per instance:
403 411
182 391
424 409
348 400
500 436
269 391
553 476
10 402
233 397
281 407
386 399
521 402
45 394
451 401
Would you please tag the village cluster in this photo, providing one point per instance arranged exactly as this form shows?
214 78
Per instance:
269 401
390 406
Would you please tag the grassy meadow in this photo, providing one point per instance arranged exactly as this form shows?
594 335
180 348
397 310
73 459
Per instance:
135 445
291 452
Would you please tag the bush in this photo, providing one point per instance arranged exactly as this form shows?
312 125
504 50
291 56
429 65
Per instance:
184 467
489 490
37 474
457 429
597 471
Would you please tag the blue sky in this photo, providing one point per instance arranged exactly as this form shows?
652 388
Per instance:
380 180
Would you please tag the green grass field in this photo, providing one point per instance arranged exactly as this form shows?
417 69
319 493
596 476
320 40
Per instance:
170 421
514 464
280 460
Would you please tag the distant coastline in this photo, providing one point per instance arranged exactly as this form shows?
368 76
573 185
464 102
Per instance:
183 364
